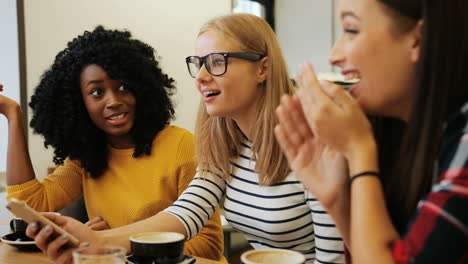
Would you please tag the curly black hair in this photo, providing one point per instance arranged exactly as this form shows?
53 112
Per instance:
59 113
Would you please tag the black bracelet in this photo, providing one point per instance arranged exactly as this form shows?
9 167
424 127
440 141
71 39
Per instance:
365 173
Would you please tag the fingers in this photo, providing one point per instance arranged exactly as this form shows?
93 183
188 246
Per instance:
285 145
310 90
293 130
95 220
42 238
55 248
285 114
65 258
60 220
45 242
97 224
32 230
337 94
298 117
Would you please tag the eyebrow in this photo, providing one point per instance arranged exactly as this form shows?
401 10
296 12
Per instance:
94 81
350 14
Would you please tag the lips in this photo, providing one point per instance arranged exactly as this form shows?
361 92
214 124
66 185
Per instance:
117 118
351 75
210 93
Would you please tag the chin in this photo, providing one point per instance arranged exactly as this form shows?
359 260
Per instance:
119 132
215 112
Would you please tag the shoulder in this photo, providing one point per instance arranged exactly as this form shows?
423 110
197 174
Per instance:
173 135
71 163
68 168
453 159
175 142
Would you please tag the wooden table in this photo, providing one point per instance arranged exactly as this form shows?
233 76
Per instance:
10 255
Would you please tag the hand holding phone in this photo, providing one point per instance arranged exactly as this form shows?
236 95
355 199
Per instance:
29 215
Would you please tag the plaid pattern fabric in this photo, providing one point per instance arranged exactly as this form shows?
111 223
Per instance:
439 231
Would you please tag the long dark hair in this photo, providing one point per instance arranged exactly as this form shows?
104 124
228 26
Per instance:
440 91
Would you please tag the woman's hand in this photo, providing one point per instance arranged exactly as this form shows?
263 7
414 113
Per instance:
97 224
322 170
8 107
55 249
334 117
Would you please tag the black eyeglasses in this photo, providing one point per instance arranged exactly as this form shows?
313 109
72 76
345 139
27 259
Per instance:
216 63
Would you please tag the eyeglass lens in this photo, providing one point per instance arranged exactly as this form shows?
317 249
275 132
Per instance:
215 64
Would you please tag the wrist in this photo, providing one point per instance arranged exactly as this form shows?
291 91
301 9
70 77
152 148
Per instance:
13 113
363 157
101 238
111 237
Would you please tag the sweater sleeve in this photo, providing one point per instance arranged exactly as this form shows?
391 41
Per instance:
329 245
56 191
206 234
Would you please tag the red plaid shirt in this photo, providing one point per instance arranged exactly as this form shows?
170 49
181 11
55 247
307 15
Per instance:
438 232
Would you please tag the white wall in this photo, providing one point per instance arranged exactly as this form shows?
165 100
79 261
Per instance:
336 5
170 26
9 67
305 30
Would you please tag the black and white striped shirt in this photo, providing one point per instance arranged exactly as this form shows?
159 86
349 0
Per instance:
284 215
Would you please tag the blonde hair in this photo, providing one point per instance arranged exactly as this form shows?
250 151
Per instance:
218 138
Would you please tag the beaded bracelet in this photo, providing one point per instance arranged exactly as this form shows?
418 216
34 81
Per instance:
365 173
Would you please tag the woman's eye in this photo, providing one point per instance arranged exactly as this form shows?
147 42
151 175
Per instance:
218 62
123 88
351 31
96 92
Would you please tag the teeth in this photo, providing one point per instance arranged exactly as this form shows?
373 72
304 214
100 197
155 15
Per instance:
330 76
210 93
352 77
117 117
337 77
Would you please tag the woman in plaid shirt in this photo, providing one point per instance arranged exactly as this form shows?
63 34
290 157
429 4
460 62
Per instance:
411 57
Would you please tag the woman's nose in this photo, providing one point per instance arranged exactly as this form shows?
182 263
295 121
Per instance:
336 57
203 74
114 101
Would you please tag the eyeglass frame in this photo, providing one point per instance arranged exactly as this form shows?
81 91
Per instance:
250 56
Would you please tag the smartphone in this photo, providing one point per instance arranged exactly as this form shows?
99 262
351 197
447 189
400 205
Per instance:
30 215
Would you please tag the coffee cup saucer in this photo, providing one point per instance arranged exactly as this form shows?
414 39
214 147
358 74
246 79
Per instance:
184 259
19 241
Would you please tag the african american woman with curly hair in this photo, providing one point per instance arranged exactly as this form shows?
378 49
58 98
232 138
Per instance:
104 106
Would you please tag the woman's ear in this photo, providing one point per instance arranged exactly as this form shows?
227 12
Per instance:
263 69
416 45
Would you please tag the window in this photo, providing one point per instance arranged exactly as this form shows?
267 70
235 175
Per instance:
261 8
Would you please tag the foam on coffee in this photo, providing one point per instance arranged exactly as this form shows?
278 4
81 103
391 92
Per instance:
156 238
276 256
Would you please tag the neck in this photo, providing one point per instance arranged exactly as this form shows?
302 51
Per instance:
406 105
404 109
121 142
245 124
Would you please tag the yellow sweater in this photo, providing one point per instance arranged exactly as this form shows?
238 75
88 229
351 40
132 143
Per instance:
130 190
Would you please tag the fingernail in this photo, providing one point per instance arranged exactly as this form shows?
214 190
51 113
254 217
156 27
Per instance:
34 225
47 229
64 236
86 244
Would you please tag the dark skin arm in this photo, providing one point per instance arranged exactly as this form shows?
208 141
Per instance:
19 167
